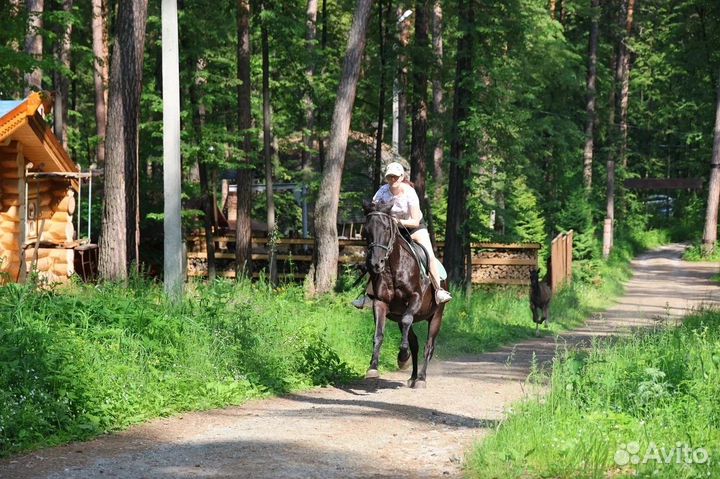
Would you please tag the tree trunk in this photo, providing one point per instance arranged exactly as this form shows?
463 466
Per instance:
418 145
383 34
591 95
326 241
34 43
101 73
196 96
438 104
243 224
625 66
711 214
400 88
456 237
308 103
60 114
118 230
267 153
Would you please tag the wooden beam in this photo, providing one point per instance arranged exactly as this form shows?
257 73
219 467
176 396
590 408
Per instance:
505 261
664 183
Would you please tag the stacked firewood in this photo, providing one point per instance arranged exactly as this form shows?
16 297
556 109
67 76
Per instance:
506 269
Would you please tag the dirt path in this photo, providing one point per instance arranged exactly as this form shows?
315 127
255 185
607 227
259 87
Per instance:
374 429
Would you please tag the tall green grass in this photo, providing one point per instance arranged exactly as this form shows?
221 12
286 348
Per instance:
83 360
638 408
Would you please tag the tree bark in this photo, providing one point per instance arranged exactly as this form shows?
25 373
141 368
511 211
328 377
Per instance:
196 95
100 74
418 144
438 103
456 237
267 152
243 224
62 85
625 66
118 240
401 82
711 214
326 241
308 103
591 95
383 35
34 43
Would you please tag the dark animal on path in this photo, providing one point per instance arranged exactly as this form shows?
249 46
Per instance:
540 296
401 292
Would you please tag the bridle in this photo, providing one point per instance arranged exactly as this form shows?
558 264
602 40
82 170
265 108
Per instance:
393 232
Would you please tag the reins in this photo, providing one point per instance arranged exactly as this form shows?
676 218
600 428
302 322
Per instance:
393 233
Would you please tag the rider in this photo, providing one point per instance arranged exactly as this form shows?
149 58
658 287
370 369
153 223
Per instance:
406 212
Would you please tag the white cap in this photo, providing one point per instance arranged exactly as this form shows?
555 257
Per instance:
394 169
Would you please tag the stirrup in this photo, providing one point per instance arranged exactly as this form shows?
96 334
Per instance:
442 296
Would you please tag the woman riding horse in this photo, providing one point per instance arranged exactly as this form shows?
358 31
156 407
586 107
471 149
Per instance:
406 211
402 292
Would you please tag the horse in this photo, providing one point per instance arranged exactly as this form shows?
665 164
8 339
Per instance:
402 292
540 296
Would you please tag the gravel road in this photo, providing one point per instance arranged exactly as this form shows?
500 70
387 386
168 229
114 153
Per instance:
374 428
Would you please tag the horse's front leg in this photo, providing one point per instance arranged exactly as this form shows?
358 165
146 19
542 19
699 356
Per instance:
380 311
405 325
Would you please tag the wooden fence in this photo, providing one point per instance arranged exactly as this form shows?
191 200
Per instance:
561 260
492 263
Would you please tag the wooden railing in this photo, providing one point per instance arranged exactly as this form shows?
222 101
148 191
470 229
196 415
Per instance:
494 263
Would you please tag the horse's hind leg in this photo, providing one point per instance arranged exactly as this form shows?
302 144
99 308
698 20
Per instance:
414 347
380 312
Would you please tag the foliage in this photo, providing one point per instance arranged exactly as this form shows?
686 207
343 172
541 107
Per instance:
695 252
650 389
80 361
525 222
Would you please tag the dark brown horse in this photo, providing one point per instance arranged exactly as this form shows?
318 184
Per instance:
402 292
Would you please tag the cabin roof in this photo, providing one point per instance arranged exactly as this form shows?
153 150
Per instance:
23 121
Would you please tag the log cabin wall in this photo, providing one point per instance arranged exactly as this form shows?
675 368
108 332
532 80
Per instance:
12 173
50 230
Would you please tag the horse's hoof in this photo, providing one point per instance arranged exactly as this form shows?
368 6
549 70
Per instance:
419 384
411 383
372 374
404 364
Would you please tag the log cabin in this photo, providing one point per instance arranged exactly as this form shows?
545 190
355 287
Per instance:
39 184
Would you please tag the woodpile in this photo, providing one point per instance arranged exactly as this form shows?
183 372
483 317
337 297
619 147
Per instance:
504 266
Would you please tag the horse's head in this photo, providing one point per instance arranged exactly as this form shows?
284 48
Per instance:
380 232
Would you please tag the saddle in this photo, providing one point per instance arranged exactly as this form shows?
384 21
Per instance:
418 250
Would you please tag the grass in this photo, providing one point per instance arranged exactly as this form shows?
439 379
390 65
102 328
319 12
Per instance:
695 253
84 360
638 408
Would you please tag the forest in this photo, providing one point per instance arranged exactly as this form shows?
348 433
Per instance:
518 119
